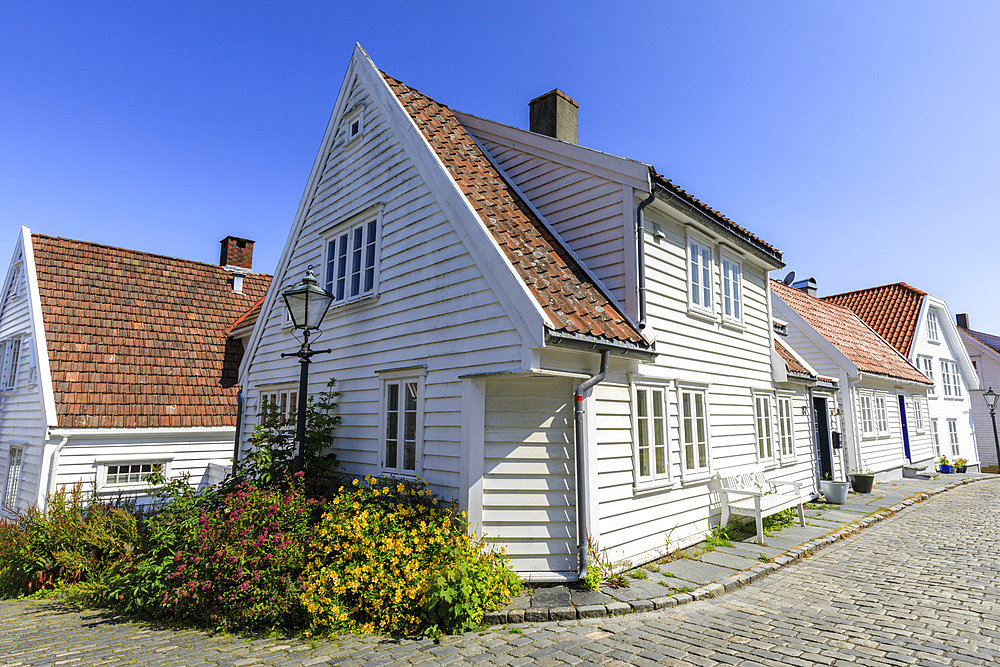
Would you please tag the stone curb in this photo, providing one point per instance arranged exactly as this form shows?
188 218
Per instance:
724 585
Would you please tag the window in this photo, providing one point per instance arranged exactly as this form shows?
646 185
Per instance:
765 432
402 416
13 477
926 366
694 431
651 434
881 415
953 436
933 330
951 380
124 474
354 124
14 287
786 429
934 437
918 415
350 262
286 401
10 350
700 275
732 299
867 415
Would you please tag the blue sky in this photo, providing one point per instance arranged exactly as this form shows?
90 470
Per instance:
858 137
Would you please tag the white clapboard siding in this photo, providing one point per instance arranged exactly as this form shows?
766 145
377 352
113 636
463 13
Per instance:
529 496
881 452
434 308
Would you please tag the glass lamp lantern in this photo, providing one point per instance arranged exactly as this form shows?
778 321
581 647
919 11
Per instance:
307 302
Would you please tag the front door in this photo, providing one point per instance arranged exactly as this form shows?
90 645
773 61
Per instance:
906 431
821 427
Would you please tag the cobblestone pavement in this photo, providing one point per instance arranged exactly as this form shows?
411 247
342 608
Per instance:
920 588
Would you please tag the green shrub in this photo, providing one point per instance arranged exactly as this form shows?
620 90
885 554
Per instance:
389 557
241 567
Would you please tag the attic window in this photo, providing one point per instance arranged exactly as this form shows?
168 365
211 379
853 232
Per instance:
14 287
354 124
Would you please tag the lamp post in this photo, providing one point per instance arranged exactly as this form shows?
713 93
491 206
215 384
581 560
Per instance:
307 304
991 400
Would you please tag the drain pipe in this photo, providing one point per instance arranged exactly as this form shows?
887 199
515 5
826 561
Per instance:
239 426
640 255
582 512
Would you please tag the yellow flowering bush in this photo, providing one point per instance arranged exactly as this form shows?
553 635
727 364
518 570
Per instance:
389 557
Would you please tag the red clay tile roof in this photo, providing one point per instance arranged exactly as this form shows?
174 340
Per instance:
247 319
791 363
849 334
719 217
891 310
138 340
568 296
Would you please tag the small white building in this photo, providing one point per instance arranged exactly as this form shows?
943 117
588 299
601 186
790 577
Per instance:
920 327
115 362
560 339
883 425
984 353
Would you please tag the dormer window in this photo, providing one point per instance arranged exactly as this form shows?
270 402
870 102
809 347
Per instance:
933 330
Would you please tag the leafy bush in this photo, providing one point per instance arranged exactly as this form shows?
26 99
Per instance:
389 557
76 540
241 567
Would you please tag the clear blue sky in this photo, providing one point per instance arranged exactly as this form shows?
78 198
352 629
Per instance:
858 137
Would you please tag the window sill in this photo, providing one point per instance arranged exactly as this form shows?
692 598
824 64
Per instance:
735 325
698 478
703 315
648 487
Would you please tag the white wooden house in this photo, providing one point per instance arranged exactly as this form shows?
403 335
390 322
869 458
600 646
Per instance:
489 280
114 362
984 354
883 425
920 327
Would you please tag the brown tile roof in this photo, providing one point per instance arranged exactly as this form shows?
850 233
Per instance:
891 310
856 340
568 296
791 363
719 217
138 340
247 319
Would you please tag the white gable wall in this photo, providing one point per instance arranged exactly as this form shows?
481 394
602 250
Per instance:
987 364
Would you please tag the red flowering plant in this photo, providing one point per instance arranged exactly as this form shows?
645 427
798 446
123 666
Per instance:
242 568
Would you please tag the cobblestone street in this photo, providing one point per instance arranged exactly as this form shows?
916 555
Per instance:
920 588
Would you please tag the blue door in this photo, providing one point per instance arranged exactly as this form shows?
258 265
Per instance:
906 431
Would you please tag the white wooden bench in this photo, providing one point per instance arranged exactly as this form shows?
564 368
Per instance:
753 495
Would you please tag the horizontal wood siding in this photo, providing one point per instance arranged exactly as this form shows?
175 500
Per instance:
584 208
433 307
529 491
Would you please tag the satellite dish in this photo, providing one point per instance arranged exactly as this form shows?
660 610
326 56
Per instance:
789 279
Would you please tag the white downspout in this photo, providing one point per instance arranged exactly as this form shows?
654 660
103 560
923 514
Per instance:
53 464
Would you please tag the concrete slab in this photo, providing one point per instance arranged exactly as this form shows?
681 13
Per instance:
551 596
638 589
582 598
726 559
751 550
696 571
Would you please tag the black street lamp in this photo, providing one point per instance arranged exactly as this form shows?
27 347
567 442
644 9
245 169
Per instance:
307 304
991 400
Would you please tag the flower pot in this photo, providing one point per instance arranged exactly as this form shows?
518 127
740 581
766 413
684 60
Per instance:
944 469
960 468
862 483
835 492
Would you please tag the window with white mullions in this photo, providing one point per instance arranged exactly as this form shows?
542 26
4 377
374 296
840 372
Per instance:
951 378
285 402
786 433
926 366
350 262
732 304
694 431
881 415
953 436
765 430
401 423
130 473
935 438
14 456
651 433
867 415
10 350
933 328
700 275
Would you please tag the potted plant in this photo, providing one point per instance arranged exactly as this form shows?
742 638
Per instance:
862 479
943 465
834 492
960 465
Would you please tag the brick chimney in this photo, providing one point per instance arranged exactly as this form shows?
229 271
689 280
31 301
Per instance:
236 252
554 114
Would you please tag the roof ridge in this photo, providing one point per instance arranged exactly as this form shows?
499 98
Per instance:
876 287
138 252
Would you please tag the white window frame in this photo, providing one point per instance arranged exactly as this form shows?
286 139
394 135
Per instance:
953 437
918 415
866 412
284 397
352 117
935 437
699 269
14 286
401 380
786 428
763 421
881 415
951 379
933 327
646 398
10 355
105 463
15 456
731 270
343 259
925 365
702 468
